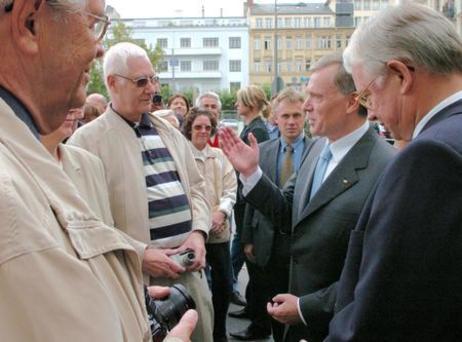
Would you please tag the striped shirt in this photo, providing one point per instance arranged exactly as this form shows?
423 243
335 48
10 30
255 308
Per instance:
170 218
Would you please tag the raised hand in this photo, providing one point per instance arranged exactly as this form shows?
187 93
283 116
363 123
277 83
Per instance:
244 158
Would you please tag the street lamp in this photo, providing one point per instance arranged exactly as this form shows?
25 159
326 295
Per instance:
278 83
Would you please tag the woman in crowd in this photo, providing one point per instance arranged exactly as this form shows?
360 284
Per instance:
221 189
252 105
180 106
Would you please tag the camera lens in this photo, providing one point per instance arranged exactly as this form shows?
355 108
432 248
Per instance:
170 311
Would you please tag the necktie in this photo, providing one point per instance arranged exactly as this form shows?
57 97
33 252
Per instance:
320 171
287 166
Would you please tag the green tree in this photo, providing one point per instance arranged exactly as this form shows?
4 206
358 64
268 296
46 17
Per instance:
119 32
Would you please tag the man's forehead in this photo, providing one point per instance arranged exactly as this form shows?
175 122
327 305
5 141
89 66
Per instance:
96 6
289 107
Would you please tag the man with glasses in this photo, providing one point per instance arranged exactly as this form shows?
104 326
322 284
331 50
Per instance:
155 189
63 273
321 204
401 279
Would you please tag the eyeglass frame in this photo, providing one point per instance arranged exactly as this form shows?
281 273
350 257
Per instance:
104 19
154 79
198 128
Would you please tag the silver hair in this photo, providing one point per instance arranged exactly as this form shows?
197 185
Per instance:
209 94
115 59
343 80
60 5
411 33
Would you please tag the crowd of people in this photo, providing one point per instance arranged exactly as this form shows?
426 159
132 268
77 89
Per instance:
344 236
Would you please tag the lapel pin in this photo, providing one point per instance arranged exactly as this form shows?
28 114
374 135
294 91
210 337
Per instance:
346 182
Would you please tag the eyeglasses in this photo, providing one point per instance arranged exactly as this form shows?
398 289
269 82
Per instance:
142 81
364 97
198 128
100 25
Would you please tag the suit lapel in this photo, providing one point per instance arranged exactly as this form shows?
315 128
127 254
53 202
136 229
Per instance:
343 177
269 160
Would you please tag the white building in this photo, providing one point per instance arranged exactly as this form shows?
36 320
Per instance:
200 53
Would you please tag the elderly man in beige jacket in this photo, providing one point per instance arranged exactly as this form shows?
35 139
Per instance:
64 275
156 193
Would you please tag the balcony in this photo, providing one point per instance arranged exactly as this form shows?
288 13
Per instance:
193 52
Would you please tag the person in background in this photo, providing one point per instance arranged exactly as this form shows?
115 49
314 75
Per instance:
180 106
169 115
211 101
221 194
272 126
156 193
157 102
98 101
54 251
90 113
253 107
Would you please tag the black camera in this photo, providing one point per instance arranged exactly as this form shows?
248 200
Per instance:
164 314
185 258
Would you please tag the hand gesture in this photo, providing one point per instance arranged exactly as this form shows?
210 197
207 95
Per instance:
284 309
156 263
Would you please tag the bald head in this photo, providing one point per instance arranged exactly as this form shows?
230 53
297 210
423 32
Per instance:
98 101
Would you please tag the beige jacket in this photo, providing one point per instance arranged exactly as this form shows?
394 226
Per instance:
87 173
64 275
111 139
221 185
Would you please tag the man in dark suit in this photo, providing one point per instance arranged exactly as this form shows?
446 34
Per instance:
402 275
321 205
265 246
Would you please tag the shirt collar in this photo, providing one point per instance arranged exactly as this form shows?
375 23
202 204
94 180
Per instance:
206 153
144 122
296 142
20 110
435 110
340 147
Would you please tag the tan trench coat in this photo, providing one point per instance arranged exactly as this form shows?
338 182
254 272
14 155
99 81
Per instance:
64 275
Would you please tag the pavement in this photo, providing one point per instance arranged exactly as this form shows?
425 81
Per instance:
235 324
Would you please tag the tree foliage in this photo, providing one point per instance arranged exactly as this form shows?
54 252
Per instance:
119 32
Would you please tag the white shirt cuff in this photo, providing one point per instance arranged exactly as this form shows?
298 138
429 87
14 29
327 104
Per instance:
300 312
248 183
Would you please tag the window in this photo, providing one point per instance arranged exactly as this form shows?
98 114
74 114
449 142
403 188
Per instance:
308 41
256 44
299 65
268 23
162 43
259 23
298 22
269 66
307 22
288 42
317 22
288 22
299 42
234 42
279 22
367 5
185 65
338 40
209 42
357 5
256 67
375 5
324 42
326 22
279 43
267 43
185 42
210 65
234 86
289 66
307 65
235 65
163 66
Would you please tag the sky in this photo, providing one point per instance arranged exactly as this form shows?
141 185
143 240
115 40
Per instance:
180 8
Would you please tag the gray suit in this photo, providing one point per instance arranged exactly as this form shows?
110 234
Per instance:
320 229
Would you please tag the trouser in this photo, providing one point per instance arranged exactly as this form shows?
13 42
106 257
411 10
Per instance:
218 258
196 284
237 253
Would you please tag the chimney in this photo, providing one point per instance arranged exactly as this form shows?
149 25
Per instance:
203 11
221 12
248 5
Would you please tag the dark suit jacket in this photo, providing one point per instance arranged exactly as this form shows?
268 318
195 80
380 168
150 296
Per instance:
320 229
258 229
402 279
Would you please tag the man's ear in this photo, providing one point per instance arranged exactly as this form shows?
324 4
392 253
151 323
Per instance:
353 103
24 24
404 72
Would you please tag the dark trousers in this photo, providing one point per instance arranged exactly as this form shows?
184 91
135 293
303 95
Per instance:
218 258
237 253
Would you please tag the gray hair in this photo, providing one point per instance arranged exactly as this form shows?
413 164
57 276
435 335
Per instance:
68 5
115 59
343 80
410 33
209 94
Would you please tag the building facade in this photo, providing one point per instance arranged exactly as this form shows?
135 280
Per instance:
298 35
200 53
